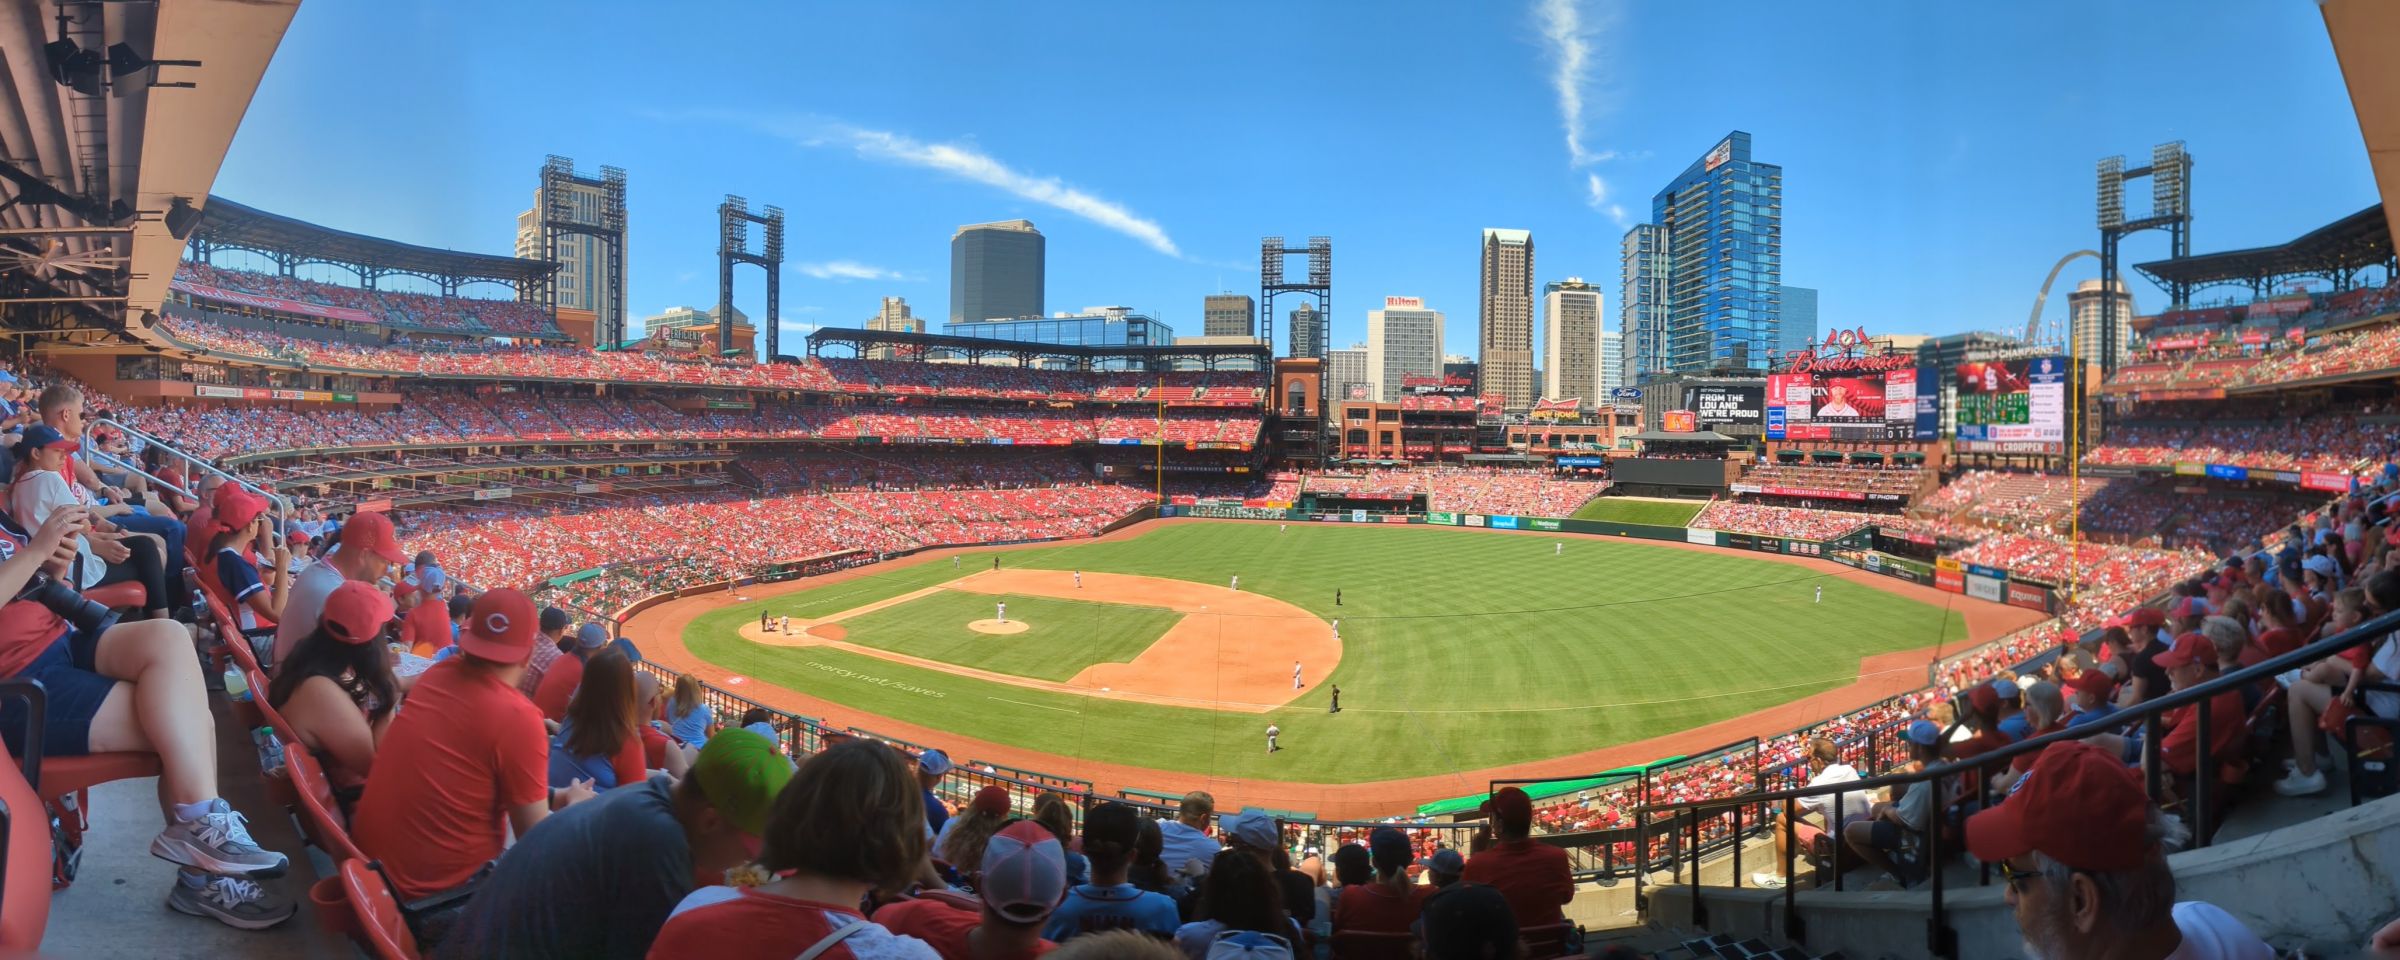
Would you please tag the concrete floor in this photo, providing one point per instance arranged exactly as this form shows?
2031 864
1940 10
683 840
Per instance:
117 907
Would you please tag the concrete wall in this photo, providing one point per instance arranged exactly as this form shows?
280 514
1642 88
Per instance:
2323 884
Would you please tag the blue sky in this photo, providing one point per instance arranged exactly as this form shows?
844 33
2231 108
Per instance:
1937 157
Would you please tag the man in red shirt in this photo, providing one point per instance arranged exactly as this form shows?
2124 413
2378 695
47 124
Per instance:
1024 877
426 625
1534 876
1391 904
466 761
2188 663
566 673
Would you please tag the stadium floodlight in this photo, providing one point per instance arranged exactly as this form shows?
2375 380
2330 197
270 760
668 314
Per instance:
181 217
72 66
2112 192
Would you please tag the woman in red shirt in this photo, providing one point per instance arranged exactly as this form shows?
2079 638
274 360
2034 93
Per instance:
852 821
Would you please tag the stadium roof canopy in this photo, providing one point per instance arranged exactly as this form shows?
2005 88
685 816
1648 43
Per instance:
120 117
920 345
2362 32
227 224
2335 252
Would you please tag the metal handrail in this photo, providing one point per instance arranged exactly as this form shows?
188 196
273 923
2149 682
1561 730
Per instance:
282 504
1941 942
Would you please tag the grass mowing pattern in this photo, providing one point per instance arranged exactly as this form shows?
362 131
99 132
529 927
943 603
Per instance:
1061 637
1462 650
1656 513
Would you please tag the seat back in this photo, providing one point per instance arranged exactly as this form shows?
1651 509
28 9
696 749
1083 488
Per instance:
1547 940
320 813
25 874
382 932
1373 945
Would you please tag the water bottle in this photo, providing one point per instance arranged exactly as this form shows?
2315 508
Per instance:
237 686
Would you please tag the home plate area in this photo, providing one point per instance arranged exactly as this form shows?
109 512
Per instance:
1120 636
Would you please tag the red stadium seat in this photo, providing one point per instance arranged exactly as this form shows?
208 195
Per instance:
382 932
320 814
25 896
128 595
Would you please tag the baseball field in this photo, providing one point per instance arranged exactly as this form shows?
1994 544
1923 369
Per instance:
1457 650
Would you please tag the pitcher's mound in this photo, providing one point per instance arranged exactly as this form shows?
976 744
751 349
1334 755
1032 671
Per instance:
997 626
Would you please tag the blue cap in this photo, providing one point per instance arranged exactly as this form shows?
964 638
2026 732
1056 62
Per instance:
1924 733
1447 862
592 637
2006 688
42 435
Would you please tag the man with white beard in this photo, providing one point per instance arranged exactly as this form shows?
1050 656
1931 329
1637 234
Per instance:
2079 845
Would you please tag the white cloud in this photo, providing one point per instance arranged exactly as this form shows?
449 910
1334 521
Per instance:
956 159
1568 38
849 270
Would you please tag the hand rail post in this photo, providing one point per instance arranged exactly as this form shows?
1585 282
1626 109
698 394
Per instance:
1793 926
1699 910
1938 938
2203 772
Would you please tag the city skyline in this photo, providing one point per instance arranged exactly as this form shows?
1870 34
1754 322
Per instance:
1892 221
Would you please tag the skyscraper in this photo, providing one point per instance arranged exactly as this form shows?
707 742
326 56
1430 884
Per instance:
1641 303
1612 364
1715 247
894 317
1505 338
2084 309
1346 368
582 263
1571 325
1311 332
1799 325
1228 315
1403 340
996 271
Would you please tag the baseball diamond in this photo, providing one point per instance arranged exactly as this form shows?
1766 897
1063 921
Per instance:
1481 649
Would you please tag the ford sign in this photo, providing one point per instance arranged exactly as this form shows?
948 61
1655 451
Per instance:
1627 394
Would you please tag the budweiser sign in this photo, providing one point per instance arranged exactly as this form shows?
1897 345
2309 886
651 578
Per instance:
1845 351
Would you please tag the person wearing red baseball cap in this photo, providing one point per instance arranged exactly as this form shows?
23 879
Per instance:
2080 847
2091 690
1533 876
336 687
468 747
365 548
243 526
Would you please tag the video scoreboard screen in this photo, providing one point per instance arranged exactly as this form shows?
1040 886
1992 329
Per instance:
1902 404
2016 405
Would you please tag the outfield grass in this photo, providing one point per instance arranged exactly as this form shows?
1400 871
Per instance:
1473 649
1061 636
1655 512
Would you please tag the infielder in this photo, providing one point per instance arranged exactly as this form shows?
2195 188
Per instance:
1237 582
1000 611
1337 628
1272 732
1078 579
1295 674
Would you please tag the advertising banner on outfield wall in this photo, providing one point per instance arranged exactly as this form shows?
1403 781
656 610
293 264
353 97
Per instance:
1703 537
1444 518
1504 523
1994 573
1985 588
2028 596
1471 519
1543 523
1950 579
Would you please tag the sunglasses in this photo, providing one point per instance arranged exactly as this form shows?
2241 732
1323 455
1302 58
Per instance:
2015 877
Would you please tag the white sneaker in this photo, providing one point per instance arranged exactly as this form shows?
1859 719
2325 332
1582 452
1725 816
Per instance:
2296 785
1767 880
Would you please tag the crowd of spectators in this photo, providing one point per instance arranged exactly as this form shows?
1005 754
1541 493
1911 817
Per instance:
398 309
2323 441
502 361
1798 523
1897 479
